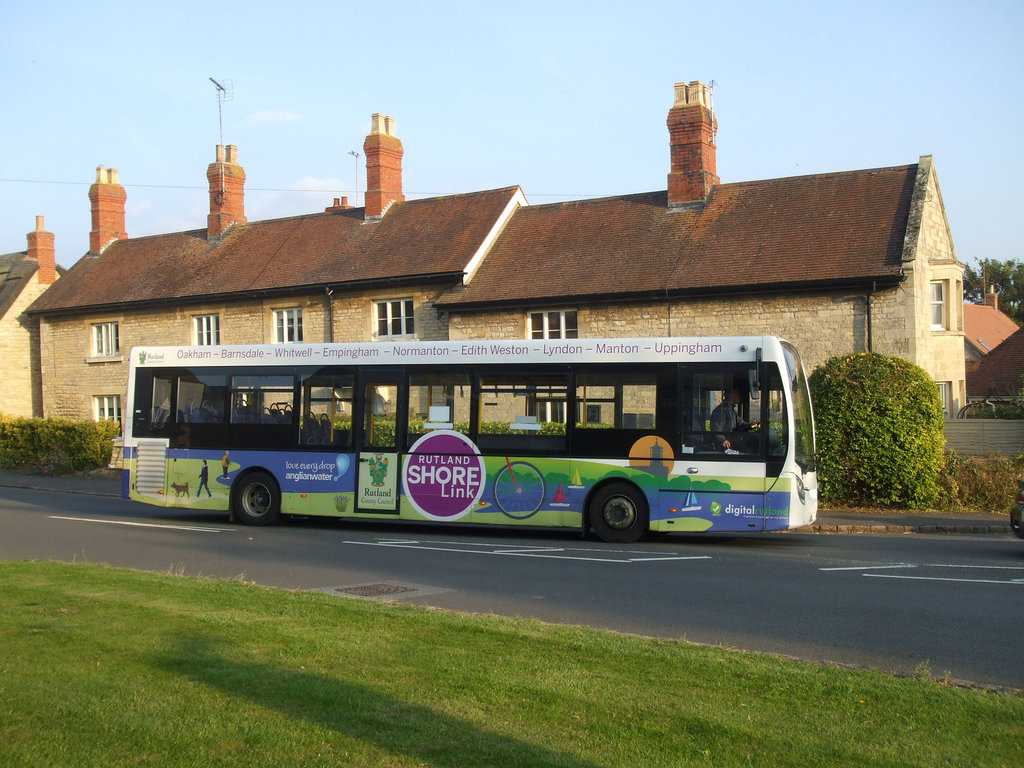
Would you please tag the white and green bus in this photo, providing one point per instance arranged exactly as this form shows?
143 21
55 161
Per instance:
614 437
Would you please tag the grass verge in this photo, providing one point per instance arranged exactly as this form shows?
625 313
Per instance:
105 667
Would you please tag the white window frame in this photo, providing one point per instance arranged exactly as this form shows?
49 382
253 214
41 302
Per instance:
397 317
206 330
105 339
106 407
938 303
288 325
547 317
946 396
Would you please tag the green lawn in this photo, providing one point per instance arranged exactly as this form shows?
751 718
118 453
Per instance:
105 667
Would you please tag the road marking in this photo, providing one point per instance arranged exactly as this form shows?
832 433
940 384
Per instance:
868 570
548 553
944 578
868 567
168 526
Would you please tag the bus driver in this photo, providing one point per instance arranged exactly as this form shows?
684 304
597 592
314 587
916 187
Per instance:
724 418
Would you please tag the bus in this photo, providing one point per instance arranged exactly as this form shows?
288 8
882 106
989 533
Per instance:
613 437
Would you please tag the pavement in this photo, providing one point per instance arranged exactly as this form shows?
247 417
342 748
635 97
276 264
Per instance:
105 482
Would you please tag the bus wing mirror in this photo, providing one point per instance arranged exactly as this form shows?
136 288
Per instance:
753 377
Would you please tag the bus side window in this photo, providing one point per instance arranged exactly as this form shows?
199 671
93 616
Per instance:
613 410
523 413
439 400
380 415
327 410
163 386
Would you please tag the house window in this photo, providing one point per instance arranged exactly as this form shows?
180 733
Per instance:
105 341
559 324
395 319
946 395
206 330
287 326
938 304
106 407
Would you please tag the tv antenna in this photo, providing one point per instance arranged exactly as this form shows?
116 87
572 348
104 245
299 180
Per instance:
356 156
225 92
711 108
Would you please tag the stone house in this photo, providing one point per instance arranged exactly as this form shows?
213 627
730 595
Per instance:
24 276
837 263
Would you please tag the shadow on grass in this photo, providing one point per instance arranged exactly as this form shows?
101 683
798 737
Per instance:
357 712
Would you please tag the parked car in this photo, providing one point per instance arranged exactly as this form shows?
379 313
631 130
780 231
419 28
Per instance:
1017 515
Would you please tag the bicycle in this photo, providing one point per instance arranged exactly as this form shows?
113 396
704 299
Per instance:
519 489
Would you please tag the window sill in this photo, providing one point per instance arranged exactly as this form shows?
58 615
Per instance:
104 359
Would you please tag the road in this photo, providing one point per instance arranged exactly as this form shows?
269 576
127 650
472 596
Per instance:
949 604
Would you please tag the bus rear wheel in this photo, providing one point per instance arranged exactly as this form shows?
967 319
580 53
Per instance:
618 513
257 500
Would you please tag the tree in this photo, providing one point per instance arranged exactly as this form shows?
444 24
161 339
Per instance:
1007 277
880 431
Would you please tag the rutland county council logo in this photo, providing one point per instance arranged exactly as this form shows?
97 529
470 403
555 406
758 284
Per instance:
444 475
378 470
142 358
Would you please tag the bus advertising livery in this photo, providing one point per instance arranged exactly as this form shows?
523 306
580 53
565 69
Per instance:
615 437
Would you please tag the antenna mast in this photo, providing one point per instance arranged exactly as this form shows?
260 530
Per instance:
225 92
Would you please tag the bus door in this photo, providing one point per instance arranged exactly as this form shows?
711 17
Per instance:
378 479
721 468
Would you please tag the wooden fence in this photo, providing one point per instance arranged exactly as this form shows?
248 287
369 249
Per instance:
981 437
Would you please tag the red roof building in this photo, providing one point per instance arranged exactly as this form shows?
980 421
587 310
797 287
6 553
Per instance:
837 262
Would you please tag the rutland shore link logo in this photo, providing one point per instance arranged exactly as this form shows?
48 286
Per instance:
444 475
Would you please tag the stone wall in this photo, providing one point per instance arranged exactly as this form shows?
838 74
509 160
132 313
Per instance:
20 393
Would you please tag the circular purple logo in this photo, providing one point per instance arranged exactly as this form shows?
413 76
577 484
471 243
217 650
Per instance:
444 475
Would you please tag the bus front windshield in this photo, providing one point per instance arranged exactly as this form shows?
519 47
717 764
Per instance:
803 414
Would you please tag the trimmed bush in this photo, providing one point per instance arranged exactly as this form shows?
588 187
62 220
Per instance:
55 446
880 431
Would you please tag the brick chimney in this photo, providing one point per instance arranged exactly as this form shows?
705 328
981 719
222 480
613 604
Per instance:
227 191
992 298
383 152
107 197
691 127
41 248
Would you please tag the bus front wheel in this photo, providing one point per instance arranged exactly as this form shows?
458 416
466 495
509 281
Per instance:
257 500
618 513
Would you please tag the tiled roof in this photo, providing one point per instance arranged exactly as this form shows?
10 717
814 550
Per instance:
420 238
986 327
1001 371
751 236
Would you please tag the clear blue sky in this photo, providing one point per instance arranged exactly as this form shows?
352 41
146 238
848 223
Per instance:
565 99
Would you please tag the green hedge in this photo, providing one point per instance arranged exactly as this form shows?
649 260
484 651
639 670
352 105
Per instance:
55 446
984 484
880 431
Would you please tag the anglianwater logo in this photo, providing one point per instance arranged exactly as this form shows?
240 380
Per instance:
444 475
